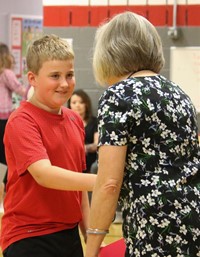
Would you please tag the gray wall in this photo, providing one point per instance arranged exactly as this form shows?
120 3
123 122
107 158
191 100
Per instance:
20 7
83 40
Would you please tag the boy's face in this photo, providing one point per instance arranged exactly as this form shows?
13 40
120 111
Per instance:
54 84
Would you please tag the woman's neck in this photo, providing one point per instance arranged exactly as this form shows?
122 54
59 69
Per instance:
143 73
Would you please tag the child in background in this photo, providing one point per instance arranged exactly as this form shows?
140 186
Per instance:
8 84
44 143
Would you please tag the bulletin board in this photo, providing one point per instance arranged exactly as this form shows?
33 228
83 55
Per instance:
23 30
185 71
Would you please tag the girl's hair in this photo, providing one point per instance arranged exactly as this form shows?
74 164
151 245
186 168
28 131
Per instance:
49 47
86 100
5 57
127 43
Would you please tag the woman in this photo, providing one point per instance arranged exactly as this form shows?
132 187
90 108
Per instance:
80 102
8 84
148 146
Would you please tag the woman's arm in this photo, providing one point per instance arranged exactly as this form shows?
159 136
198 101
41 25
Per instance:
105 194
55 177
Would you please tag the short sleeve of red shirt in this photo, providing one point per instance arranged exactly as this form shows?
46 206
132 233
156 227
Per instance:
33 134
23 142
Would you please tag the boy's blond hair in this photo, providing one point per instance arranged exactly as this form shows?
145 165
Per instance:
49 47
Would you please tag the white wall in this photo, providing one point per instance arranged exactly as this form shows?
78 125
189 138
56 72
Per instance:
21 7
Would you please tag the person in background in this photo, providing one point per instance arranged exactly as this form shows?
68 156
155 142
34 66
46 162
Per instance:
46 198
8 84
80 102
148 146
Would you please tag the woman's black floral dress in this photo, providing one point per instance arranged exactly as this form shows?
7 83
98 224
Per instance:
160 195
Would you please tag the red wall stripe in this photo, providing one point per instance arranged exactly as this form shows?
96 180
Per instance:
81 16
193 12
98 14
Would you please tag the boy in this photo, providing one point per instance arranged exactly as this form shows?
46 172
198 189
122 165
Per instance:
44 144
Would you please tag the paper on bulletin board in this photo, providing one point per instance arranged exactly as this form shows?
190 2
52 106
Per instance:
16 28
23 30
17 57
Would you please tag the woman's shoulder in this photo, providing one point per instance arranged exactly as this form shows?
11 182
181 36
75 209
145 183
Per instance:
117 92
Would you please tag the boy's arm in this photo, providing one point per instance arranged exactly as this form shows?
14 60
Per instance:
55 177
85 215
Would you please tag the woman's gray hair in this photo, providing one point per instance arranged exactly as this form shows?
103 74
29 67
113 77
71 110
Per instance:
127 43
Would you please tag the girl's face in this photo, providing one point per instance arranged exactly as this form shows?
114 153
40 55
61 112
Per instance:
77 105
54 84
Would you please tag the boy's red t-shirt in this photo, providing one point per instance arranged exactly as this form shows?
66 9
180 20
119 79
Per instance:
33 134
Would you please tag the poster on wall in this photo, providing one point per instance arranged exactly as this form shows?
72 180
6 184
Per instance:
16 32
31 30
17 61
23 30
187 73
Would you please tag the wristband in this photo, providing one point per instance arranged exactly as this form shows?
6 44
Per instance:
96 231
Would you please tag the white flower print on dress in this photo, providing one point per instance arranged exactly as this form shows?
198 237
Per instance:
160 198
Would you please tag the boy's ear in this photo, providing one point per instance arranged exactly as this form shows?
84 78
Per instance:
31 78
